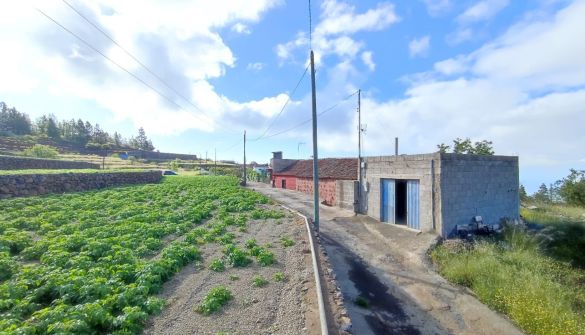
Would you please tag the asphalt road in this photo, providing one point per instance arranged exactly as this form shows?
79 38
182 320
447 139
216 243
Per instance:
386 266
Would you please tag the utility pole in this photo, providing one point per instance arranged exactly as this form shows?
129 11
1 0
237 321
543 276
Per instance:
315 155
360 175
244 184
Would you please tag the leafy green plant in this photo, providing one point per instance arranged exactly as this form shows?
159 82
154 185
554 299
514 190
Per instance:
265 257
266 214
216 298
259 281
236 257
251 243
286 242
217 265
278 276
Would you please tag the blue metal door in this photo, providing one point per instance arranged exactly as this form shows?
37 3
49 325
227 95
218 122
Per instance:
412 204
387 187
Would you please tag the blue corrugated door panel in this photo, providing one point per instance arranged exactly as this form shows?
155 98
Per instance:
412 205
387 199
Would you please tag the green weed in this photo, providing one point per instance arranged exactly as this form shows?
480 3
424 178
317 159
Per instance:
217 265
286 242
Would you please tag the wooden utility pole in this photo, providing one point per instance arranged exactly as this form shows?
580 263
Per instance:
244 183
315 154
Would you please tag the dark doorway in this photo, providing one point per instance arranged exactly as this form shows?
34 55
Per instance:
284 183
401 201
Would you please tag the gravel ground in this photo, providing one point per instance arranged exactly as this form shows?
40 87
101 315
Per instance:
278 308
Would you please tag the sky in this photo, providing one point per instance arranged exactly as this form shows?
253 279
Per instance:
196 74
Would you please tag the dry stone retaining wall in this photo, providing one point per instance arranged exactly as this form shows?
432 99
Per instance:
23 163
38 184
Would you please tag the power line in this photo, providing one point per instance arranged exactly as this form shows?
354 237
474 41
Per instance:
309 120
112 61
135 58
283 106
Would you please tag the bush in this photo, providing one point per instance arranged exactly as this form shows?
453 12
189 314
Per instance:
41 151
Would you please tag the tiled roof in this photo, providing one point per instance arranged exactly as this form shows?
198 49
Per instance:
332 168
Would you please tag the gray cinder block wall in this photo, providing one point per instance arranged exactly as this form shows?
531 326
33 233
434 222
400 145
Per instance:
453 188
478 185
346 194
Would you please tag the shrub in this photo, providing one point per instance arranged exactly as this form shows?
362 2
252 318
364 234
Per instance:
287 242
41 151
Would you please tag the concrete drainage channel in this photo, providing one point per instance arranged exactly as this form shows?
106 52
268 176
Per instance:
332 317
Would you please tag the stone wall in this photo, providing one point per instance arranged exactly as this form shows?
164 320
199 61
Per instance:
38 184
23 163
413 167
346 194
478 185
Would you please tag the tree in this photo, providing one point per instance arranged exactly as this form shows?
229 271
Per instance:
117 139
465 146
47 125
14 122
462 146
141 141
572 188
542 195
483 148
443 148
523 195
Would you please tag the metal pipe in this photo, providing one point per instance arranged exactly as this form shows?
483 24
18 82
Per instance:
321 303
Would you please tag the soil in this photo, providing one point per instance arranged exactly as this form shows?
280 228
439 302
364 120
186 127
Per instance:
287 307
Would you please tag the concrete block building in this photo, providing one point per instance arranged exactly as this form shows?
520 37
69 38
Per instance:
429 192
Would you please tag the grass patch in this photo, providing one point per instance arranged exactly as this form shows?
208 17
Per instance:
214 300
514 275
259 281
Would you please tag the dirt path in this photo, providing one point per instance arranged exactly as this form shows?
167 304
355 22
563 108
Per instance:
387 266
283 307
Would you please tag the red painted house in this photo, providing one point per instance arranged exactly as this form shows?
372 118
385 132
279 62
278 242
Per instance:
297 175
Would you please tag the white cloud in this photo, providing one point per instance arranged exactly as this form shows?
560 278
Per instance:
462 34
482 10
177 40
420 46
339 21
241 28
255 66
524 91
368 61
438 7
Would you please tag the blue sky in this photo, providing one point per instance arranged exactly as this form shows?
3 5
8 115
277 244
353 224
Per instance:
430 70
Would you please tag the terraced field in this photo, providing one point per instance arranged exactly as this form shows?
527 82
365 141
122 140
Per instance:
95 262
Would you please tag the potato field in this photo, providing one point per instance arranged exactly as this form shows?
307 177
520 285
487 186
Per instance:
95 262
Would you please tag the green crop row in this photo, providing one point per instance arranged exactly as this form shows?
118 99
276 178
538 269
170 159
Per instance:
91 262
